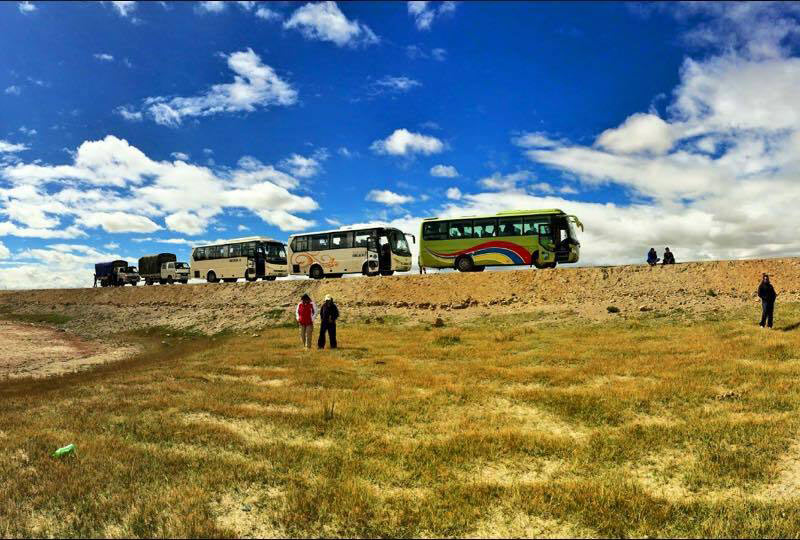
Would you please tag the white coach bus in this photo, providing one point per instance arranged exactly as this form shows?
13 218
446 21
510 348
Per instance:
249 258
369 251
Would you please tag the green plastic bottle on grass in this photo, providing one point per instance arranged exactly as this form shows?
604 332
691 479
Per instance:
64 450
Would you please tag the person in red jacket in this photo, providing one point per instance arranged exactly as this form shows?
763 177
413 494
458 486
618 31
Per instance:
306 312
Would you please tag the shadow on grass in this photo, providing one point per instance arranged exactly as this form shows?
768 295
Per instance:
791 327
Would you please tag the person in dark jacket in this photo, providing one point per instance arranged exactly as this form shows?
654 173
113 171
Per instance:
767 294
669 258
652 257
328 313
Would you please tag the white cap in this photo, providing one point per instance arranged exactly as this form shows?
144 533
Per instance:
328 297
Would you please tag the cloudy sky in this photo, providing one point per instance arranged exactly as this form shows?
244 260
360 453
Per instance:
129 128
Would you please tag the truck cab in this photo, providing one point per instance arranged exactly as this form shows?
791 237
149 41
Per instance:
175 271
128 275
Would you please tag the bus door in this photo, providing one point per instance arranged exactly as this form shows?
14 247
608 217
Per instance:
547 246
261 258
384 253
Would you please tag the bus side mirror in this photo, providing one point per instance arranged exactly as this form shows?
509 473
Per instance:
413 238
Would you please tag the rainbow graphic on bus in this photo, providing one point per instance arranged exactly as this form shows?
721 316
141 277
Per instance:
488 253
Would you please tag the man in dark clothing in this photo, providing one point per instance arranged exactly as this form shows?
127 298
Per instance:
328 313
767 294
669 258
652 257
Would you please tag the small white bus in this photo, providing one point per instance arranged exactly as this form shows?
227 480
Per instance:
249 258
370 251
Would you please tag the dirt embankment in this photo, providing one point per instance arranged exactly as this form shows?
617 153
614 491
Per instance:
586 292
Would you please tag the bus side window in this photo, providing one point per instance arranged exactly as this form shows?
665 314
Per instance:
319 242
362 239
510 227
199 254
460 229
236 250
223 251
484 228
533 225
300 243
249 249
343 240
434 230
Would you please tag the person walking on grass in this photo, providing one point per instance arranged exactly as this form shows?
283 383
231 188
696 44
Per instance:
767 294
328 314
306 312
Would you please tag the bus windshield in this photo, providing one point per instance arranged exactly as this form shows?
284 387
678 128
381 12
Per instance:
398 242
276 253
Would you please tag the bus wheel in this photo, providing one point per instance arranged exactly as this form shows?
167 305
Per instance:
465 264
316 272
387 272
211 277
250 276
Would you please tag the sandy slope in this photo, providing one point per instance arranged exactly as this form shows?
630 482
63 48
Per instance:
586 292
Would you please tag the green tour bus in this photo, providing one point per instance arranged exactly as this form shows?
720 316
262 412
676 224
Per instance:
541 238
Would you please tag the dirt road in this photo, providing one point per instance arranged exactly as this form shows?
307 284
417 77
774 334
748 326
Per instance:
581 292
39 351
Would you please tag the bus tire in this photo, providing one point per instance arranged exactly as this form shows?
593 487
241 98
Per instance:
316 272
212 277
465 264
387 272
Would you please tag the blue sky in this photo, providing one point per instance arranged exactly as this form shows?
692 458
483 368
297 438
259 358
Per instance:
129 127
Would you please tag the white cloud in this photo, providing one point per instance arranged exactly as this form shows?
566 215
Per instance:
453 193
444 171
212 6
344 152
388 197
534 140
8 148
396 85
424 13
180 155
255 85
113 185
505 182
267 14
124 7
334 222
242 228
324 21
639 133
111 245
187 223
128 113
303 167
4 251
13 90
403 142
26 7
104 57
118 222
30 132
416 52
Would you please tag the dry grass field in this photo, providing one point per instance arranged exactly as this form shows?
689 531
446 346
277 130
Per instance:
514 425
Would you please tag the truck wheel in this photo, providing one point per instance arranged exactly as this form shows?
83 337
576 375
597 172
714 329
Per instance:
387 272
465 264
170 281
211 277
184 281
316 272
250 276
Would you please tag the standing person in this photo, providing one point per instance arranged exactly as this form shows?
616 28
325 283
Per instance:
767 294
652 257
306 312
669 258
328 313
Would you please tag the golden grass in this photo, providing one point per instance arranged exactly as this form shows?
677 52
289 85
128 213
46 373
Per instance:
508 426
